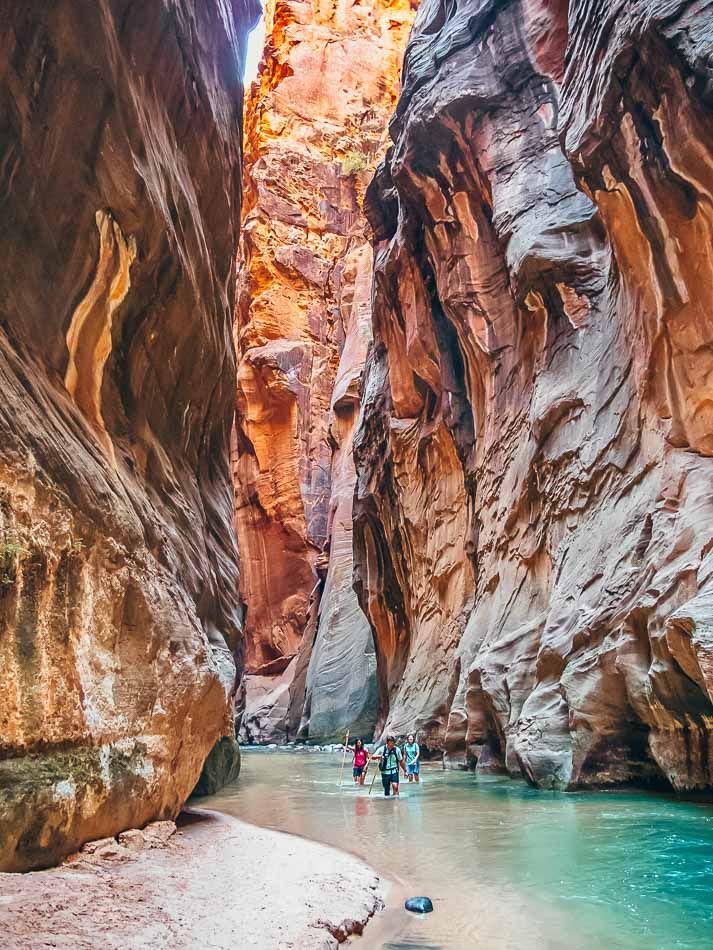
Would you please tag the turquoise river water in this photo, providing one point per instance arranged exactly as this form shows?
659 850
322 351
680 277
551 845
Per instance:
506 865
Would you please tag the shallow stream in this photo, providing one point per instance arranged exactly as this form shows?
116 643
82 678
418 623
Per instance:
506 865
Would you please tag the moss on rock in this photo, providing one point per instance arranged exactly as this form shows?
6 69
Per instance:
220 768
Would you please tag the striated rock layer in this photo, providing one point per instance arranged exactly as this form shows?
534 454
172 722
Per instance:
534 518
315 128
120 184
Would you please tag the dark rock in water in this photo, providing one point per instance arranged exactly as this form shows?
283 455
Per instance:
220 768
419 905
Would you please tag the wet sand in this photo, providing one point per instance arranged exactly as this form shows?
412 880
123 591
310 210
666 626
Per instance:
217 883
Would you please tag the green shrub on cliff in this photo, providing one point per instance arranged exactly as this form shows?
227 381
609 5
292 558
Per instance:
10 551
353 163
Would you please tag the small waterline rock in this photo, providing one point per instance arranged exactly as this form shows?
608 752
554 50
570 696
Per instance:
220 768
419 905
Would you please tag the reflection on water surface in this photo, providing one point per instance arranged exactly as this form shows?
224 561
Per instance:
506 865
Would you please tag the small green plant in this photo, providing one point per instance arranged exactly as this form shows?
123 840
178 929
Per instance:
354 162
10 551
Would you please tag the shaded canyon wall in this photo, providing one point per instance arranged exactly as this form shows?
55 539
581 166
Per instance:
534 517
119 617
316 121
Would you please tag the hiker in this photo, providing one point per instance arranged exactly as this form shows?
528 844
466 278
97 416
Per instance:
361 757
412 751
390 760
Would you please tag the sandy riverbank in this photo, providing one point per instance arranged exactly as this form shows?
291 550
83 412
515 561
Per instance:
217 883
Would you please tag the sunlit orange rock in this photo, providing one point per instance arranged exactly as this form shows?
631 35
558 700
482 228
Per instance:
315 128
534 517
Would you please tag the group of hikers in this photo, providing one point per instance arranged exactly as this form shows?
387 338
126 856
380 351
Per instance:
391 761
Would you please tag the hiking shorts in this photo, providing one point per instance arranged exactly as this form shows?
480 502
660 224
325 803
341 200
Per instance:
388 779
413 768
357 771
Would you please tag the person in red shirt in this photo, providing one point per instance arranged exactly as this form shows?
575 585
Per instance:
360 759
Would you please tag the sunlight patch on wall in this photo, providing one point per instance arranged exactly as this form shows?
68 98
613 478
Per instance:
256 42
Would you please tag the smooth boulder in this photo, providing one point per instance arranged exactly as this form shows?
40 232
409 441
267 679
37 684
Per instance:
419 905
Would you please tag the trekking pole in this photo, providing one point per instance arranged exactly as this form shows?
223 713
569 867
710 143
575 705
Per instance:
344 758
372 781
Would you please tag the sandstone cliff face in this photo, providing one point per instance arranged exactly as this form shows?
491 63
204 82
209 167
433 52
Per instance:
533 522
120 184
315 128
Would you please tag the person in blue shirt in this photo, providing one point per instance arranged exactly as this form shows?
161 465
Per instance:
412 752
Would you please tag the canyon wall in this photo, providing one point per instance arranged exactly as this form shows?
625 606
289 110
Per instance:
534 517
316 122
119 614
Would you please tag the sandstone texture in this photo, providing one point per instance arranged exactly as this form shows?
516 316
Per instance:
316 122
119 615
533 521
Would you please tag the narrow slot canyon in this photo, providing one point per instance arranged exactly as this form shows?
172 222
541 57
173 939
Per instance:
316 128
356 362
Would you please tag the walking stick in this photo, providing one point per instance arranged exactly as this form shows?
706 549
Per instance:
372 781
344 758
